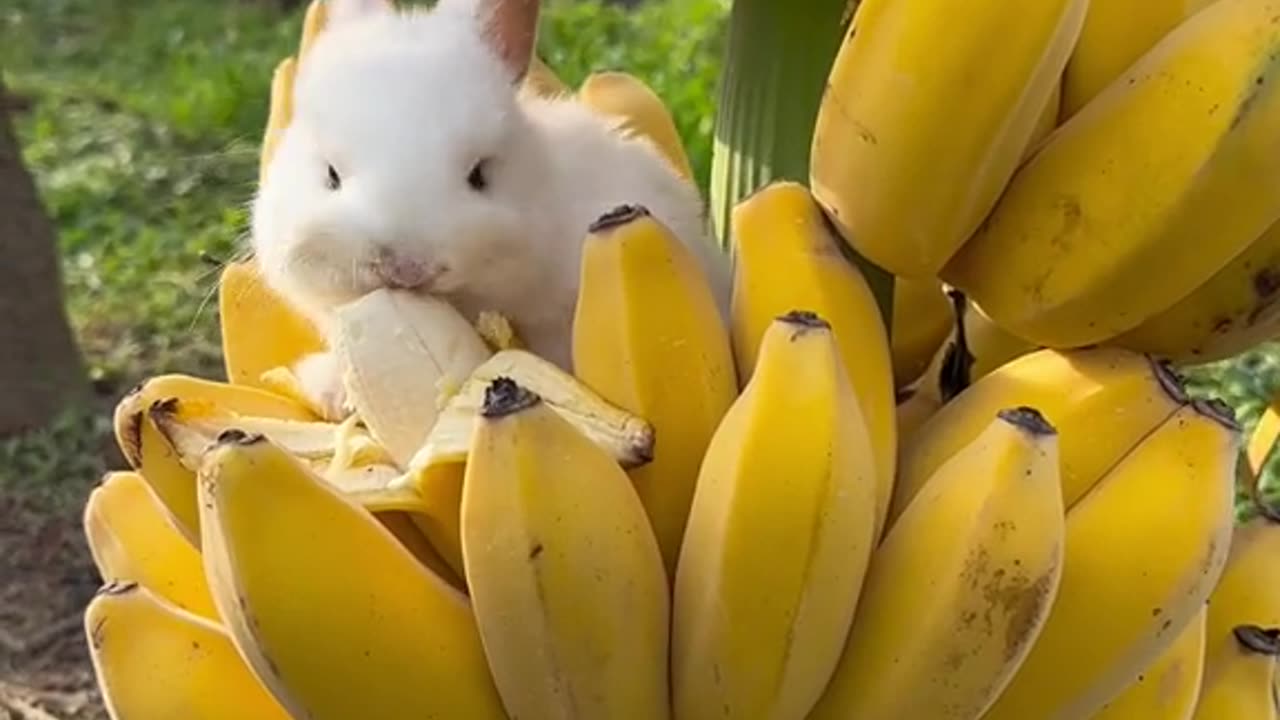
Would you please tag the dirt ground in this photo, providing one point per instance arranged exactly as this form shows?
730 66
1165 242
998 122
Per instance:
46 578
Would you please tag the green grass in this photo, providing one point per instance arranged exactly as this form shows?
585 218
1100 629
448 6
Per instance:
143 136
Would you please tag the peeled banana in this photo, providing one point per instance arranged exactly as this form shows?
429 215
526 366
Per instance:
148 452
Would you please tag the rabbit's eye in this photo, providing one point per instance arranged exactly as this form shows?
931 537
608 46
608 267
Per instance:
333 182
477 179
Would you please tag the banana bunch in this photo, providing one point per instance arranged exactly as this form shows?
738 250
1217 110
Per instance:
805 509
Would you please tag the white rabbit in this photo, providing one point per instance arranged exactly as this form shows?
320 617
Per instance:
415 160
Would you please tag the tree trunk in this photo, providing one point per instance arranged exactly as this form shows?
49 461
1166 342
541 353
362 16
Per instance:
40 365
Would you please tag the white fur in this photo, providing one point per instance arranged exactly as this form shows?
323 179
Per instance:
403 105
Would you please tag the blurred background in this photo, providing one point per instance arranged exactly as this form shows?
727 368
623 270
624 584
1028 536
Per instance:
129 136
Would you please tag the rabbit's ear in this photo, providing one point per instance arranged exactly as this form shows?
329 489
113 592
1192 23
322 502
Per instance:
341 11
510 27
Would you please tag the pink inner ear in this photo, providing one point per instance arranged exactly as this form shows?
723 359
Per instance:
511 27
346 10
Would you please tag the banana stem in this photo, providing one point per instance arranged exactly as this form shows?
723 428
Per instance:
775 69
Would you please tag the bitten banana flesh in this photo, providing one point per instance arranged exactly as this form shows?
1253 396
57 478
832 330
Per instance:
786 257
779 537
371 616
958 590
1162 514
131 539
649 337
565 575
153 660
402 355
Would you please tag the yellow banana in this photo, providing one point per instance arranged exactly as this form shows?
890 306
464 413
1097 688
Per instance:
313 22
958 590
1163 515
922 126
1116 34
247 306
921 320
131 539
565 574
1047 122
640 110
1231 312
1263 439
649 337
280 111
147 451
914 408
787 258
1105 226
779 536
1168 688
154 660
326 605
1249 590
1238 681
1103 402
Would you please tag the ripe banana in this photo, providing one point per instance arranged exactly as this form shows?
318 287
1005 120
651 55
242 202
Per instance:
371 616
958 590
649 337
565 574
131 539
779 536
640 111
922 126
1263 440
154 660
402 525
543 80
786 257
435 472
147 451
921 320
1047 122
1169 687
1231 312
1077 391
1182 146
1238 681
402 355
247 306
1116 34
1162 514
279 113
1249 590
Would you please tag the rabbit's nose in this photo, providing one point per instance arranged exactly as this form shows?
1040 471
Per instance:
400 272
